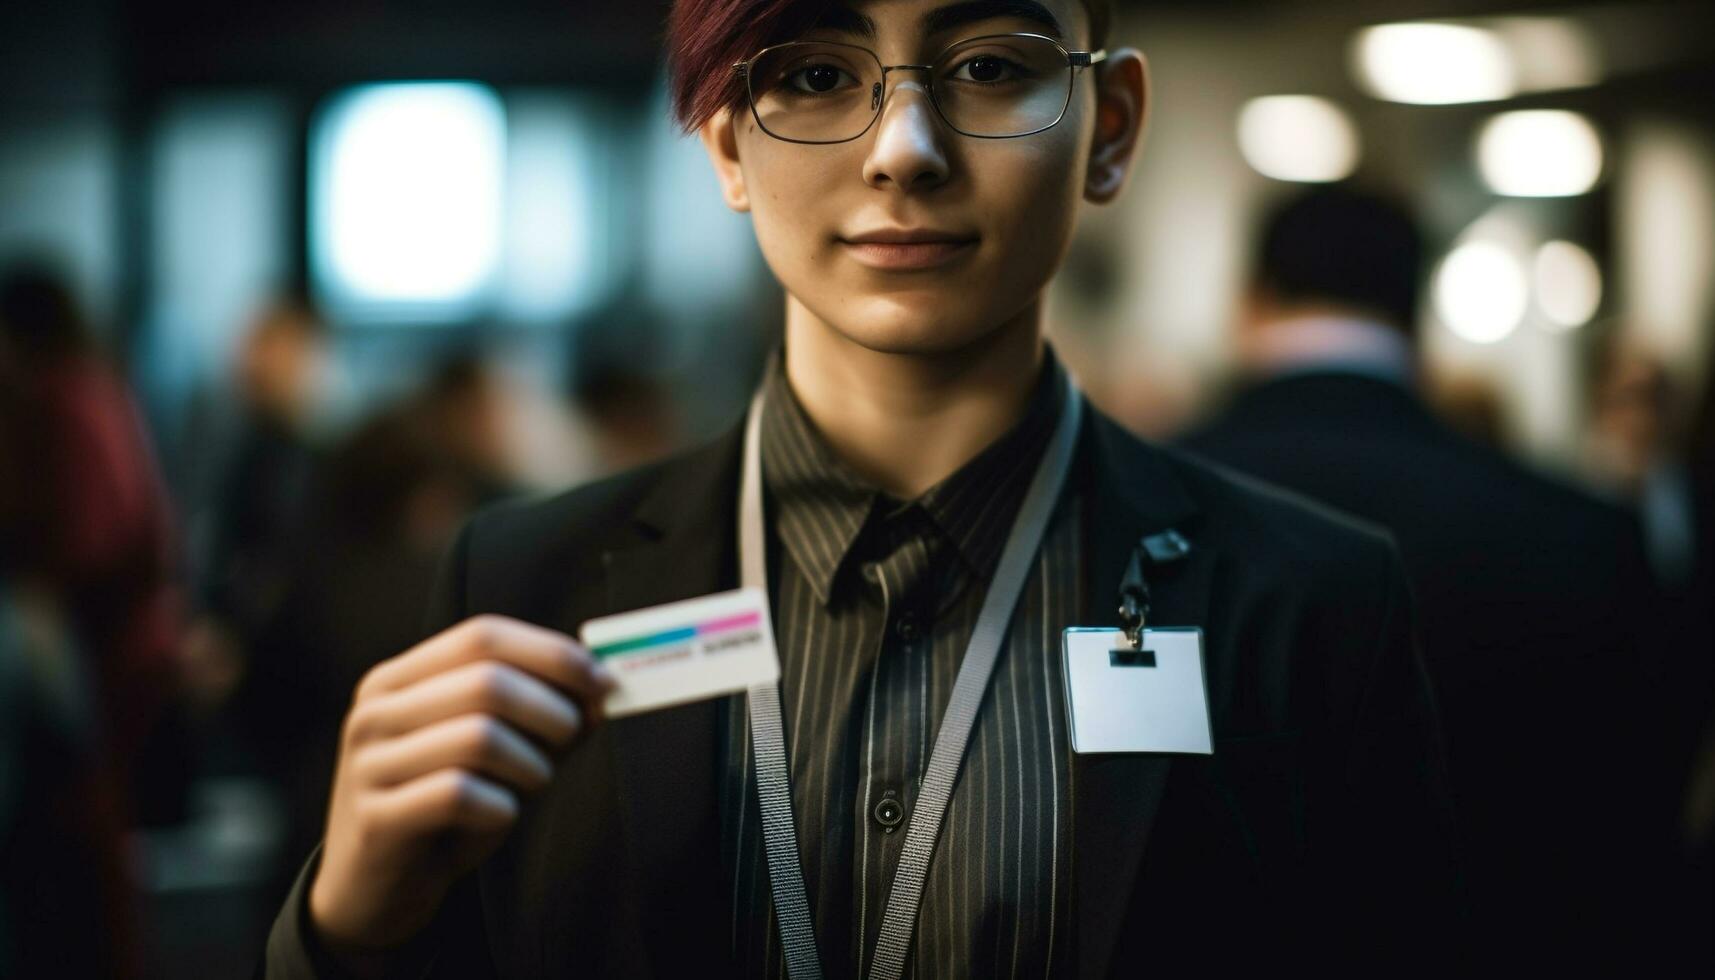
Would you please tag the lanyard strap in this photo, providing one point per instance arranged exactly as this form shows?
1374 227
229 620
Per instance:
768 736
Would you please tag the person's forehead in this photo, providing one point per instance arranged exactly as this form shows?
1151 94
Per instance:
1055 18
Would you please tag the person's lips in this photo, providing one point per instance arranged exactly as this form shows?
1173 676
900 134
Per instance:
907 248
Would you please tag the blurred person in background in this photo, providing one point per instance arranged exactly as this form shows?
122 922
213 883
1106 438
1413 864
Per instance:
467 407
1657 458
67 899
96 522
483 821
1696 821
1534 597
1636 451
249 529
375 519
627 415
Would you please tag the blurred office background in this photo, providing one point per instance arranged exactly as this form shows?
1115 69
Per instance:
330 274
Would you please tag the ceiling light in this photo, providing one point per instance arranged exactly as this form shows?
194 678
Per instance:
1539 153
1298 138
1433 64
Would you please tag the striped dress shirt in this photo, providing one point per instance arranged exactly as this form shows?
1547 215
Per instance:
874 601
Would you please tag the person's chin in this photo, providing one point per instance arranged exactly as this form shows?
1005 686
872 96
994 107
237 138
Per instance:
914 324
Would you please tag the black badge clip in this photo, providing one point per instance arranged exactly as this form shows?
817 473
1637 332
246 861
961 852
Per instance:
1161 548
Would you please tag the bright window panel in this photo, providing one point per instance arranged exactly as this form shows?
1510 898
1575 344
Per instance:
407 200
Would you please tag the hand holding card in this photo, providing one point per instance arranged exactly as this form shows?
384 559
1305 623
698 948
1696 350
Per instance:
440 745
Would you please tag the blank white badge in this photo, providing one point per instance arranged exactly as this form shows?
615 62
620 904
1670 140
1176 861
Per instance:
1150 699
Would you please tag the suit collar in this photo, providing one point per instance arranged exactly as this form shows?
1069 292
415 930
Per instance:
680 500
1360 397
1136 478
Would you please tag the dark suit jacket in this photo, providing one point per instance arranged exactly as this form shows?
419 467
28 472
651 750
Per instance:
1317 832
1533 599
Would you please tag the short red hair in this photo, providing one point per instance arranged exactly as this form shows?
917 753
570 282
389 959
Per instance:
706 37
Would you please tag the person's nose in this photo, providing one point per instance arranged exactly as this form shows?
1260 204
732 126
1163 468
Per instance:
909 150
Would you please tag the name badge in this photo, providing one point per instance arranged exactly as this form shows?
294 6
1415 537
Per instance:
685 651
1148 699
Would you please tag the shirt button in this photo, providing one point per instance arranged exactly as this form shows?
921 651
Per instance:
889 813
907 628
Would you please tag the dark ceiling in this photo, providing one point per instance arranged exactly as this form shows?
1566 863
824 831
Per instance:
69 51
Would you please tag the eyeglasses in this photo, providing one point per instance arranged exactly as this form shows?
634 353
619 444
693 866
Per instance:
992 87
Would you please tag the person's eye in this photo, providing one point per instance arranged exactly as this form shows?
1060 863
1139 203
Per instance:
819 79
987 69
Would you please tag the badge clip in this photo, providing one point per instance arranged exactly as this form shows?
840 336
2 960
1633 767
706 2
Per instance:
1161 548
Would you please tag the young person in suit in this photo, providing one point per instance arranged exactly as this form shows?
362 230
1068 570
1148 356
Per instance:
1534 597
486 822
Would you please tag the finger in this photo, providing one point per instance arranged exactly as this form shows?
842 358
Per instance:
550 655
446 799
488 687
482 744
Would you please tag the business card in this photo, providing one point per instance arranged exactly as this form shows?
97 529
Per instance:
685 651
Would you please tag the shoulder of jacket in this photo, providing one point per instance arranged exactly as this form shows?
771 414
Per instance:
1273 528
581 516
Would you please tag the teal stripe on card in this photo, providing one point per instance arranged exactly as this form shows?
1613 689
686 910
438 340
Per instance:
654 639
675 635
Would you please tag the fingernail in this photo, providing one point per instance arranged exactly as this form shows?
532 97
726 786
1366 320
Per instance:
600 672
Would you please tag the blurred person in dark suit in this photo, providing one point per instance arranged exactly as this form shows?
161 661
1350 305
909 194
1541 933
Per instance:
1686 683
1649 454
97 521
257 502
1534 597
1636 447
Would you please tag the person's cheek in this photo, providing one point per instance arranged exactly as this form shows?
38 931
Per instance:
783 220
1041 202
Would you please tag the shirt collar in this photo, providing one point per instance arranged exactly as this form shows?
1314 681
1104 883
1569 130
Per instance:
821 506
1323 343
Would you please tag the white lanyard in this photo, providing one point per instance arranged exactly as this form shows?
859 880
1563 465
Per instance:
768 735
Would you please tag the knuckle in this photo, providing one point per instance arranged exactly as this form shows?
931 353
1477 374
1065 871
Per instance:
483 632
493 686
360 724
482 739
455 793
371 683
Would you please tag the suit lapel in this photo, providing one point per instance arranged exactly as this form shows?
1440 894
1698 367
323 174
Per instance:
666 762
1130 492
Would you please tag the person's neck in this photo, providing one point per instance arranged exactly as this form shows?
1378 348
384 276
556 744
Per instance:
905 422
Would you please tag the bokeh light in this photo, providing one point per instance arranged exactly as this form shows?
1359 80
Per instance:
1433 64
1568 284
1481 292
1298 138
407 196
1540 153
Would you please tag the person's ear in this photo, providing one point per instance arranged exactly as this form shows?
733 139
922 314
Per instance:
1122 110
720 139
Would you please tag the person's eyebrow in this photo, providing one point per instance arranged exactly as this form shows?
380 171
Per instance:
846 20
959 14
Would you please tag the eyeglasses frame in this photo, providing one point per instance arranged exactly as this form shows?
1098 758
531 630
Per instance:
1074 61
